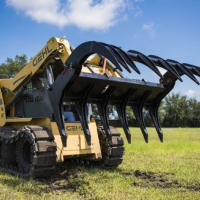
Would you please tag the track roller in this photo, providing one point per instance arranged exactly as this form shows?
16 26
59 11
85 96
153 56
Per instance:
112 153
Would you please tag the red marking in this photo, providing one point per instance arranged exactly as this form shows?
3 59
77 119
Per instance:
63 72
104 65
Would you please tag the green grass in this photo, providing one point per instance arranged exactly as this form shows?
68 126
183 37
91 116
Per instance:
169 170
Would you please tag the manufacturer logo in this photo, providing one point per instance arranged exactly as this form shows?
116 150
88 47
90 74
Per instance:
74 128
41 55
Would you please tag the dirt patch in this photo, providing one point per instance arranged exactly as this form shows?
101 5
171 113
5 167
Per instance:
161 180
67 177
156 180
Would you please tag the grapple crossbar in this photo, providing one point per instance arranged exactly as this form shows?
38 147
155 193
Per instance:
82 88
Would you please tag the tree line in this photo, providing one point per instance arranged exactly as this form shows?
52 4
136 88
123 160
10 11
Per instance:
176 110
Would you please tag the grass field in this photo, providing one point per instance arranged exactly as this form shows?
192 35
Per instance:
149 171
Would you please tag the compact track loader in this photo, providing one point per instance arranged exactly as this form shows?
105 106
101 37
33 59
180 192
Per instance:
45 109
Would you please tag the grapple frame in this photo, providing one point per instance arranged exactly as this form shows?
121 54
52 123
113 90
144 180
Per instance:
82 88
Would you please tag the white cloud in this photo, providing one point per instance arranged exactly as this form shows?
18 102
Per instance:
138 12
149 27
85 14
191 93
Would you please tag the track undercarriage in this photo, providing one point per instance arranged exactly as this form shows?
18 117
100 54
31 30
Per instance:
31 151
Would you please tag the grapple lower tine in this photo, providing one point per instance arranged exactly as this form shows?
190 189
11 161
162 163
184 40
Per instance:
81 106
102 109
153 110
121 110
137 109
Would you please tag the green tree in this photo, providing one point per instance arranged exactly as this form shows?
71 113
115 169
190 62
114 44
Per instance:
194 107
179 111
12 66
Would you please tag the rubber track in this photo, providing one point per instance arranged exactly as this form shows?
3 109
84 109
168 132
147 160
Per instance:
43 151
113 151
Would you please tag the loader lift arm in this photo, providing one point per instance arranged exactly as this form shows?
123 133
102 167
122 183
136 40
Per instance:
55 46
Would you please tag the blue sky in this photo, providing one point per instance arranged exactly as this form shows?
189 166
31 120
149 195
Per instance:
167 28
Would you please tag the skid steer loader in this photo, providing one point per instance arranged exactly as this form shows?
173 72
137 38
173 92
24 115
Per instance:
45 109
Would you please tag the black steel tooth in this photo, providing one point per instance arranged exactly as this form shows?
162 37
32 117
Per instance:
127 59
83 51
116 58
137 109
102 110
121 110
145 60
120 58
81 107
192 66
153 110
166 66
196 70
184 70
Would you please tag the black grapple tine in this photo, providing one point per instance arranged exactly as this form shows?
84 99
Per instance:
102 110
162 63
144 60
82 110
184 70
120 58
121 110
127 59
137 109
153 110
195 69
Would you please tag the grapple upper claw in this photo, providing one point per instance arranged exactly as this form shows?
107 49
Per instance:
184 70
195 69
164 64
127 59
137 56
120 58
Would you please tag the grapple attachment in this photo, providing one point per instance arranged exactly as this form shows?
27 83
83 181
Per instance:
102 89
